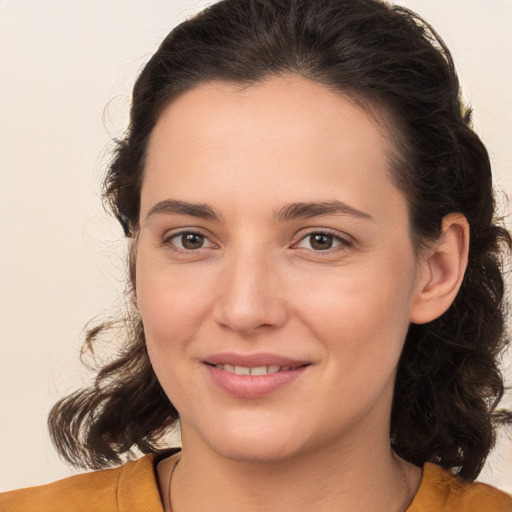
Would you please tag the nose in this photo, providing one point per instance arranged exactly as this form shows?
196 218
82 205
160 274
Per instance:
251 294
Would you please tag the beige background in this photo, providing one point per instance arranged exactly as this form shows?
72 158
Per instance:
66 73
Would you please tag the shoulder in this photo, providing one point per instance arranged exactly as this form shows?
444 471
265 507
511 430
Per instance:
108 490
440 491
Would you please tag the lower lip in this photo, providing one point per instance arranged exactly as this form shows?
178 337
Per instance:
253 386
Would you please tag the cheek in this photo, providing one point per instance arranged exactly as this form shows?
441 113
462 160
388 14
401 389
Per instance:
170 308
171 312
174 303
361 315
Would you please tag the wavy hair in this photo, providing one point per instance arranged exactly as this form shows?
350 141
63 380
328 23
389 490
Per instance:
389 61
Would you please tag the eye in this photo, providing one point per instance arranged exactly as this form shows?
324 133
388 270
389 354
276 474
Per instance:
188 241
322 241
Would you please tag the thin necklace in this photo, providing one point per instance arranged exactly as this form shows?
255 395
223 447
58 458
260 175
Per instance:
169 485
403 472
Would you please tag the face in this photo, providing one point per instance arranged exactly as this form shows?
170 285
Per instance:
274 269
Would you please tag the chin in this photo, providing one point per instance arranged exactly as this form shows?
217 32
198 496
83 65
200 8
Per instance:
257 443
260 451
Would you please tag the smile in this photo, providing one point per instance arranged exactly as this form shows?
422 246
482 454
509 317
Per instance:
255 370
253 376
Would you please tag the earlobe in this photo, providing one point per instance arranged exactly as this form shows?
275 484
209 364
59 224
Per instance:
442 270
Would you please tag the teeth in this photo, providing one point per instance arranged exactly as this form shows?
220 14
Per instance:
242 370
259 370
255 370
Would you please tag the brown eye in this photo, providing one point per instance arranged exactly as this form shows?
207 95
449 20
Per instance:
191 241
188 241
321 241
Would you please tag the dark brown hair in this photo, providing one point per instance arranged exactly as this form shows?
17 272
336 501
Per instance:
390 60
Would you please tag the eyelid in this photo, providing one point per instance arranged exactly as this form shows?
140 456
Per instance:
168 236
344 240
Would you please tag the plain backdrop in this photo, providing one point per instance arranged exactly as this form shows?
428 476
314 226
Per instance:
67 69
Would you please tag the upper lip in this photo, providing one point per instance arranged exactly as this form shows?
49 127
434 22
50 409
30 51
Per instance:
254 360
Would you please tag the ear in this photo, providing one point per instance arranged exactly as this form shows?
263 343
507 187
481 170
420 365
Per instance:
442 268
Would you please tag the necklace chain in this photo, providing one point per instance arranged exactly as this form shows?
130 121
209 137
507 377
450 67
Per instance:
169 485
401 463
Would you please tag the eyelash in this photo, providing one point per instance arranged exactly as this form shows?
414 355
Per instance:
167 241
342 242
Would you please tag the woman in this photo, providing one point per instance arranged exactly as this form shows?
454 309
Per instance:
315 275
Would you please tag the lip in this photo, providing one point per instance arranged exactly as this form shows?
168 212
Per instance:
253 386
256 359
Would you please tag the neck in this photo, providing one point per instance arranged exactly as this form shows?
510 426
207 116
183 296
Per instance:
357 477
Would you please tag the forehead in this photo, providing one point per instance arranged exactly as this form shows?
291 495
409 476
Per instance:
285 134
276 103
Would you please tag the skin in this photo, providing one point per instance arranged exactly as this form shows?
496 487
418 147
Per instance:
261 285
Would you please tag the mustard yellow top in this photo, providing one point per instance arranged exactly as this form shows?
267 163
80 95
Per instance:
133 488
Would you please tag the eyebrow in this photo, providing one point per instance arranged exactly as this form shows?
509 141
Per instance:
173 206
312 209
285 213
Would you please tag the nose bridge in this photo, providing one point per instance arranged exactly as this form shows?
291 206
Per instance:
250 292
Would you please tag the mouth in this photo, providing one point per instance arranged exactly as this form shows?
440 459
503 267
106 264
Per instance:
263 363
254 370
253 376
